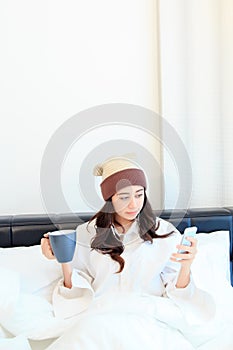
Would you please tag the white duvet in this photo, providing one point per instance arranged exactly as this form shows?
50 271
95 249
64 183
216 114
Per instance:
99 328
28 322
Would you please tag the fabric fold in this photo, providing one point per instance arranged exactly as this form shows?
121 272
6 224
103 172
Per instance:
196 305
69 302
9 292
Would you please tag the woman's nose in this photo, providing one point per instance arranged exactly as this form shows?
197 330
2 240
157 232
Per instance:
132 203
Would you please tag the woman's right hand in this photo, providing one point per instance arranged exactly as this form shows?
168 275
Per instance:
66 268
46 247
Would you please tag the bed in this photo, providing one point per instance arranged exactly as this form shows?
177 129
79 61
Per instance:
28 279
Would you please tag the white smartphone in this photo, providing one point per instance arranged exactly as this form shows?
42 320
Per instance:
188 232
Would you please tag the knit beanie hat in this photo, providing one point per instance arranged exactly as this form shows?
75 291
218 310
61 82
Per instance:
117 173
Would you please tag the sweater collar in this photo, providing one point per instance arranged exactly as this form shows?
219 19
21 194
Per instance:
129 236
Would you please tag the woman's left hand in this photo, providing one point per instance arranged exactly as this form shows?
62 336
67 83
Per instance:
186 259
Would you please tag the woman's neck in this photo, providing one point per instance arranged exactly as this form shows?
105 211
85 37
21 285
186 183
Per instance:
123 224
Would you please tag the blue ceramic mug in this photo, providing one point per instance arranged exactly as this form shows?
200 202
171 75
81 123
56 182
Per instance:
63 243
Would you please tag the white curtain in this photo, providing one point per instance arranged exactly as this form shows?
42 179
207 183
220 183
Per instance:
196 81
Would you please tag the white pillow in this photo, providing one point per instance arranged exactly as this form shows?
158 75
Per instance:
35 271
212 261
211 271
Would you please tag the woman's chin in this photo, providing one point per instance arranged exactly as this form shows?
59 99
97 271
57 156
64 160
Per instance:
131 217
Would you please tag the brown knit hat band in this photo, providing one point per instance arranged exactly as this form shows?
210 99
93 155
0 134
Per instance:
121 179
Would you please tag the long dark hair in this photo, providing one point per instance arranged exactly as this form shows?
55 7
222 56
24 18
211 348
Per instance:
107 241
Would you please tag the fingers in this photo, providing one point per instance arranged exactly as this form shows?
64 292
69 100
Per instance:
46 247
192 240
187 249
189 252
182 256
192 248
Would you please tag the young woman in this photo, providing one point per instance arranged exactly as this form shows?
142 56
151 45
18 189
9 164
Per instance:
125 261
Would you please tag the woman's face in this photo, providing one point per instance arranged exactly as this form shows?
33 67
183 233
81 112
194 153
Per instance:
128 202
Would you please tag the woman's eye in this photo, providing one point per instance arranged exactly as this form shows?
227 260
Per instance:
139 195
124 198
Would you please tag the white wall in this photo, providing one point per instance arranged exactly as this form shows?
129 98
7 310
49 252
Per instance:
59 58
226 48
197 82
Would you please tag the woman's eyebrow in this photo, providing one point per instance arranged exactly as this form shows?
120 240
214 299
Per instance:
124 193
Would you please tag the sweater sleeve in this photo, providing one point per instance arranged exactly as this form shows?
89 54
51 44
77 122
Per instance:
69 302
196 305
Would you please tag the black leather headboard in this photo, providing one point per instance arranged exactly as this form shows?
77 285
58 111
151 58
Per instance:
26 230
